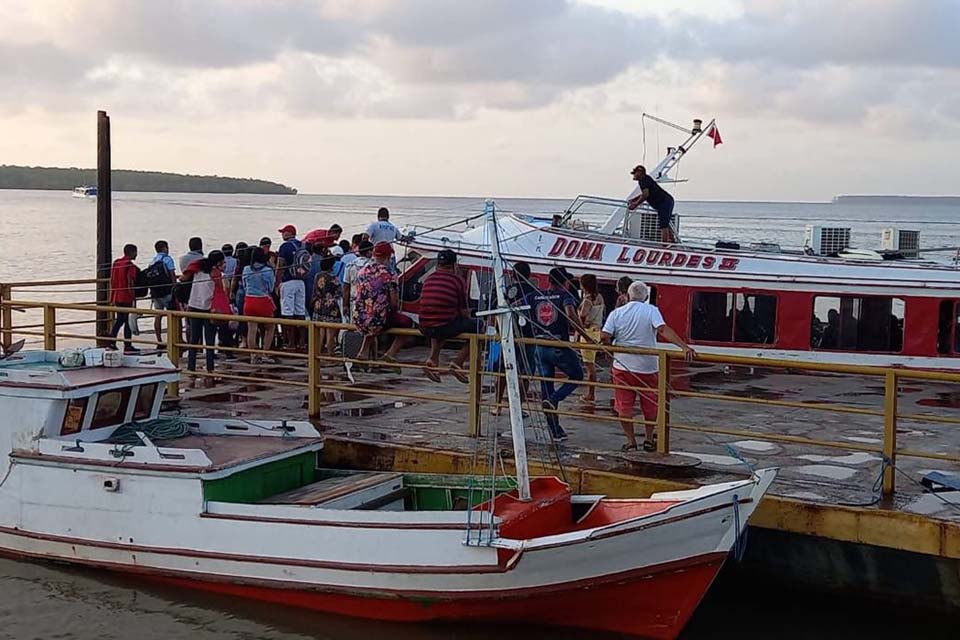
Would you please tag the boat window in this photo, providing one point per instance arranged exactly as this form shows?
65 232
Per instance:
73 418
412 284
727 317
111 408
145 398
608 291
857 324
948 331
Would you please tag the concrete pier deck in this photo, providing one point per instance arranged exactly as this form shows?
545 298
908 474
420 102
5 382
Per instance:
811 474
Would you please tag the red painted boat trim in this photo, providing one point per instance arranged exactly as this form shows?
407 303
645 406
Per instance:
655 602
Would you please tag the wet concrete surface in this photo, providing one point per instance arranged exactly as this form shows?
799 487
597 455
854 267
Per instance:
809 473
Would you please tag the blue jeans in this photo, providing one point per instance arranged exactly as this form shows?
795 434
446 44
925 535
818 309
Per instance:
567 360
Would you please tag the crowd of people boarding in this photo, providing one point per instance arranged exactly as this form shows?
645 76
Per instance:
329 279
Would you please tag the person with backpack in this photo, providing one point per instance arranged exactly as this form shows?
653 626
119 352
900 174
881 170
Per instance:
123 281
294 267
207 295
160 276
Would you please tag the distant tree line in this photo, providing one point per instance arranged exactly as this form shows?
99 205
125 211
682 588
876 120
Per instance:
56 178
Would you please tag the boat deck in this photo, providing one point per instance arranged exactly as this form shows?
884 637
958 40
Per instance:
809 474
226 451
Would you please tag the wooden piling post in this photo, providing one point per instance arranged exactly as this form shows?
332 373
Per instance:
6 316
49 327
473 408
313 369
104 221
663 404
890 432
173 350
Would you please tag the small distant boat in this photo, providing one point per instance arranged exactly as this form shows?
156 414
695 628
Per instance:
85 192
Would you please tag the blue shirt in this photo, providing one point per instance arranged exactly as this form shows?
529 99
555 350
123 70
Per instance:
258 281
287 252
167 261
548 313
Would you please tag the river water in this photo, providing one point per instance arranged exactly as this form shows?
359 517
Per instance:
49 235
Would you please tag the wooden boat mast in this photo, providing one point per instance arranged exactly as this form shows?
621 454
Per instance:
508 348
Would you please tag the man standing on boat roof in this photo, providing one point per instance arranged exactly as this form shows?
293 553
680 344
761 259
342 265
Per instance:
654 195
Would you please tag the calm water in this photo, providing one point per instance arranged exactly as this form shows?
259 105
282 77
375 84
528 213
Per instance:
49 235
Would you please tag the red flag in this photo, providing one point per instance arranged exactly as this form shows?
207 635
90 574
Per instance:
714 134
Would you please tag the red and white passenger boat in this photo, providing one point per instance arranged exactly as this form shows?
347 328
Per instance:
91 475
827 303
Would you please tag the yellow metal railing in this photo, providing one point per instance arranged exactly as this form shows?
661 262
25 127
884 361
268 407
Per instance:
50 332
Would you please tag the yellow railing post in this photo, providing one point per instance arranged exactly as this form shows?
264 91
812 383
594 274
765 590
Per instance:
6 315
49 327
663 404
313 370
473 408
890 432
173 350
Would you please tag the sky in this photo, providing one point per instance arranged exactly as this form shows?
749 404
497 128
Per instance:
538 98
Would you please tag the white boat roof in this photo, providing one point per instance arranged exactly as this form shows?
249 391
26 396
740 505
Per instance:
42 370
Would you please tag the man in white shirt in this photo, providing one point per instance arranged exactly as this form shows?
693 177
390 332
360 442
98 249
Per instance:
638 324
384 231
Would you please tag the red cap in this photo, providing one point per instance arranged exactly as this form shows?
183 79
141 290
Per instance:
288 229
382 250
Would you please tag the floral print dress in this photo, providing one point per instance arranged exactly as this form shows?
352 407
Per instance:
326 297
371 309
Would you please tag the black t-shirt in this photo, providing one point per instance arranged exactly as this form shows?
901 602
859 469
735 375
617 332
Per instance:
548 313
658 197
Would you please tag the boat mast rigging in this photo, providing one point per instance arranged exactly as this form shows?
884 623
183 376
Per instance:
508 347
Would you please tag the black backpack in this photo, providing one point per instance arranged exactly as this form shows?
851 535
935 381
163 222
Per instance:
157 278
140 287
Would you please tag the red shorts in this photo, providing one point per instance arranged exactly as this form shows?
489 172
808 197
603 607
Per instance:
260 306
397 320
644 384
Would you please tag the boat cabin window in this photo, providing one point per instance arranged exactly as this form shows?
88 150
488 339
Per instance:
111 408
720 316
857 324
145 397
948 333
412 284
73 418
608 291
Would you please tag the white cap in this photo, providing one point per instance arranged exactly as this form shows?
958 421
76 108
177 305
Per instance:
336 251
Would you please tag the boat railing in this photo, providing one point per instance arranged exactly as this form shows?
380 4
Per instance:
51 332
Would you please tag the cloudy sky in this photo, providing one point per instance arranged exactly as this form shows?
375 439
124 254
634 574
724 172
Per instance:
493 97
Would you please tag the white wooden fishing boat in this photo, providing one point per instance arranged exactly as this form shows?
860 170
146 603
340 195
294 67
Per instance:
92 475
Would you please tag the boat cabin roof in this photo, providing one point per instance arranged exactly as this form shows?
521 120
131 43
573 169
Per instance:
42 370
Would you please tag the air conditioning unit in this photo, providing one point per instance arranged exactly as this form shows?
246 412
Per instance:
826 241
905 241
643 225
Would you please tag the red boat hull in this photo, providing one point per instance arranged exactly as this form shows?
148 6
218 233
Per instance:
654 603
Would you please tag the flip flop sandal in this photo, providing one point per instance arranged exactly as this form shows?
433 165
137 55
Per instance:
459 374
428 370
649 446
628 447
